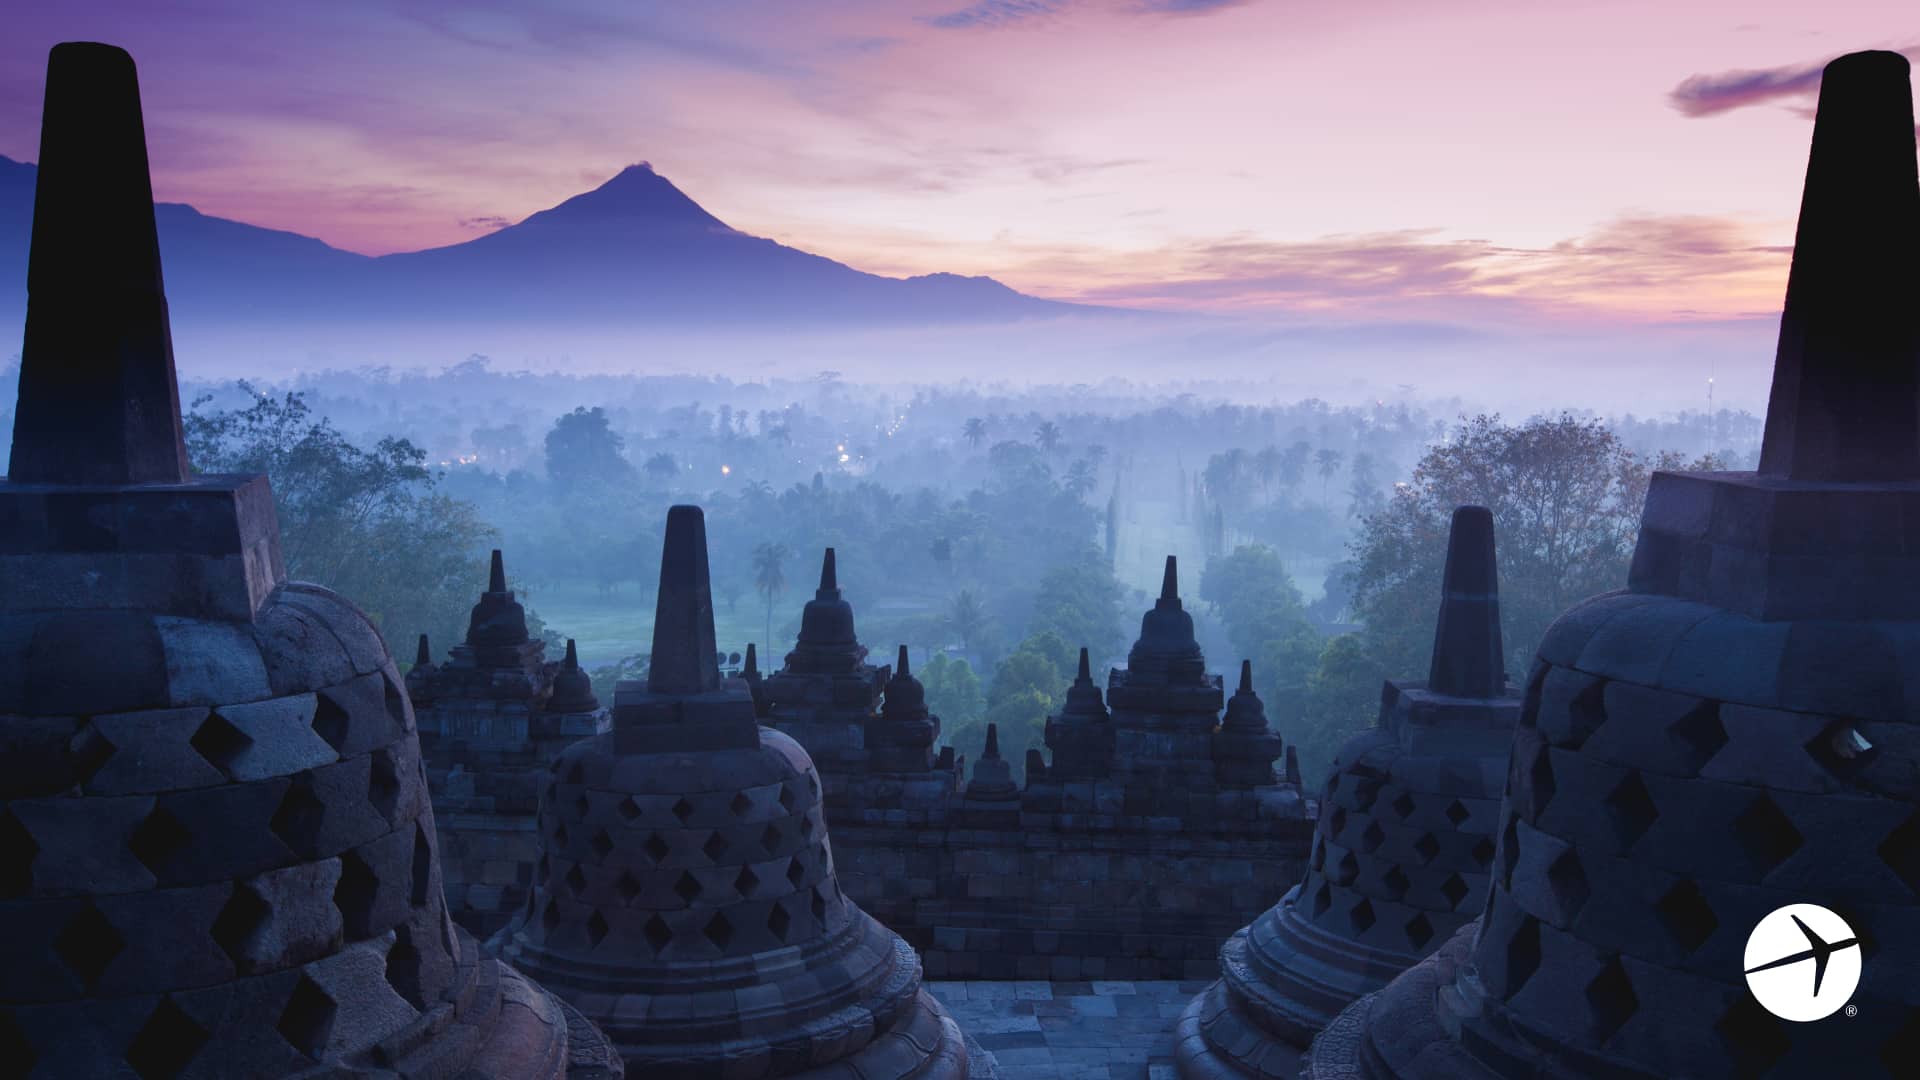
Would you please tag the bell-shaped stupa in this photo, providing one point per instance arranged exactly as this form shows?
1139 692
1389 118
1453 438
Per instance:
686 898
1401 851
217 856
1733 733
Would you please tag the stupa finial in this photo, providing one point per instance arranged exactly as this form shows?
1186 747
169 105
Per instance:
683 641
1469 659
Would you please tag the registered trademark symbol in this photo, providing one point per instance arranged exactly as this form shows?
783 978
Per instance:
1853 1010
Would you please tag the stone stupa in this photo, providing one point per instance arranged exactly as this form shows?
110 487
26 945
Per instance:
1401 851
686 898
1735 731
216 851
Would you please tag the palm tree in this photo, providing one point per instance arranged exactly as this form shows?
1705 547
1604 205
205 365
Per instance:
1267 464
1079 479
1328 463
769 578
662 467
975 432
967 618
1047 435
1293 465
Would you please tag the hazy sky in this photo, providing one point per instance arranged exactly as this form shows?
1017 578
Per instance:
1534 160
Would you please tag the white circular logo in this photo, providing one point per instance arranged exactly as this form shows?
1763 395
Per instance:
1803 962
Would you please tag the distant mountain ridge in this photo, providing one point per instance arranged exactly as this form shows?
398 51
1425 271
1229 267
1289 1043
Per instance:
634 251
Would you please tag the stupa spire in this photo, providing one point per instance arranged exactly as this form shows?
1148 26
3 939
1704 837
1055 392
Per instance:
1469 659
901 670
683 641
99 402
1246 676
572 661
829 578
424 654
1086 670
1846 375
497 574
1170 581
751 668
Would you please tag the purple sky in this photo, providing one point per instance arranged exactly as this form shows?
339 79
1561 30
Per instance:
1563 162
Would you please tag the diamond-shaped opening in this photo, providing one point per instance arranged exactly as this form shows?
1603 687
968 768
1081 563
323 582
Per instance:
550 918
242 917
1426 847
1322 899
628 808
17 852
1337 821
220 742
656 847
715 846
1900 851
1509 850
353 895
1567 880
778 922
1686 916
658 934
1455 890
683 810
796 873
788 800
1395 879
819 906
1419 931
87 752
1365 791
1754 1038
1630 810
1333 784
1610 1000
422 866
581 806
627 886
300 817
746 882
1458 813
1586 711
718 930
1530 698
1347 870
1361 916
601 843
383 783
771 838
15 1048
576 880
596 929
1523 954
741 805
806 826
576 774
542 868
1319 853
330 722
1841 749
88 944
1372 837
1403 805
1483 852
1537 789
687 888
396 703
307 1020
404 964
1700 733
559 834
1766 835
813 785
167 1043
161 836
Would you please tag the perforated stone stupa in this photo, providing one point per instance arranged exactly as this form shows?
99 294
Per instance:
216 851
1734 732
1402 848
686 898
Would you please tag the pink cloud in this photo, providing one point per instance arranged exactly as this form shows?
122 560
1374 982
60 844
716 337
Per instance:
1710 95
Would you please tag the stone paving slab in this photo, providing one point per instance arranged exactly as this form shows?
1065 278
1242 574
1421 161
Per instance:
1103 1030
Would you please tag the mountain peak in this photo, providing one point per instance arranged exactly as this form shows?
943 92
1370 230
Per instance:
635 195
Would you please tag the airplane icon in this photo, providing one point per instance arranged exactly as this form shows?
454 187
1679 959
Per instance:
1818 953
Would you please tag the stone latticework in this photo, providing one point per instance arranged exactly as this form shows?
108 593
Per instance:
217 855
1402 849
492 718
687 900
1732 733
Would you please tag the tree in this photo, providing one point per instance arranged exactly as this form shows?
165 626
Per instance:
953 693
975 431
1079 601
583 448
967 618
1080 478
1028 684
366 522
1343 700
1267 466
662 468
770 579
1363 487
1047 435
1327 463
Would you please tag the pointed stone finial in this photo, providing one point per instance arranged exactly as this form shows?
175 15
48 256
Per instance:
572 662
1170 583
424 655
1469 659
752 667
1292 775
901 670
992 752
1845 403
1246 676
829 577
99 401
1086 670
683 642
497 575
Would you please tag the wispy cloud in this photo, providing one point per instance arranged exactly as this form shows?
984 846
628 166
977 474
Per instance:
989 13
1710 95
1184 7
